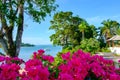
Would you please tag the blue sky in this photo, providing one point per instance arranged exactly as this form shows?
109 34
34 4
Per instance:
93 11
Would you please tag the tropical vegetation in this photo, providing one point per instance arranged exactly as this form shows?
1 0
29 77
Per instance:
73 33
70 30
77 66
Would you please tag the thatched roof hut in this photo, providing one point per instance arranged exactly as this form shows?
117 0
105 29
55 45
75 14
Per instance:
114 38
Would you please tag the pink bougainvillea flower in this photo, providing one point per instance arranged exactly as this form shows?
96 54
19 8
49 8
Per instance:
65 76
2 58
40 52
35 70
34 55
48 58
32 62
9 71
66 56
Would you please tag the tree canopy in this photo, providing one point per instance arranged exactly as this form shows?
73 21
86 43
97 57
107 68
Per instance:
12 14
68 29
108 29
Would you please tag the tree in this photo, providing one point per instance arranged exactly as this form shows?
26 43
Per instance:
115 28
105 30
83 28
66 29
93 33
12 15
109 28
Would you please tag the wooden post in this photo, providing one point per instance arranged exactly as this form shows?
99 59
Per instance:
108 43
112 43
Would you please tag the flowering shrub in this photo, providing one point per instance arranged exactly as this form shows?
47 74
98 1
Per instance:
9 71
9 60
77 66
83 66
9 68
35 70
37 67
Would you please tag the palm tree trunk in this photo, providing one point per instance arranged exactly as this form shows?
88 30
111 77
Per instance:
83 35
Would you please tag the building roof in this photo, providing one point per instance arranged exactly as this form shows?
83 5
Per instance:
114 38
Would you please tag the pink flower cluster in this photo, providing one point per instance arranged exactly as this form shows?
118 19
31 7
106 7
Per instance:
76 66
11 60
81 66
37 67
34 70
9 68
40 55
9 71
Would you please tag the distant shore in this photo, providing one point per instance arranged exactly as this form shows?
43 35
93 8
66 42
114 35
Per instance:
27 45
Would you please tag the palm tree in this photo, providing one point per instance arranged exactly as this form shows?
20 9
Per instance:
83 28
108 30
115 28
118 31
105 29
94 31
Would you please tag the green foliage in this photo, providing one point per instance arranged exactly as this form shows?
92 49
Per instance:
57 60
105 50
92 31
102 42
66 29
38 9
68 49
90 45
70 29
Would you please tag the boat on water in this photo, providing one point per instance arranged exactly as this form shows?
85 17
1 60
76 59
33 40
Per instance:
47 49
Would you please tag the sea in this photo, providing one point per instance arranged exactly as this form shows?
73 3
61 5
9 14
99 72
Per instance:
26 52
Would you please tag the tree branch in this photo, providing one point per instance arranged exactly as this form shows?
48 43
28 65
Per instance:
20 27
4 44
1 54
16 11
3 20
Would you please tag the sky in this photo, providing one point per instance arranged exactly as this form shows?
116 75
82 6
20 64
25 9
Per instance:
93 11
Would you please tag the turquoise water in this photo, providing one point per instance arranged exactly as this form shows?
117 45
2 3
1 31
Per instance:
26 52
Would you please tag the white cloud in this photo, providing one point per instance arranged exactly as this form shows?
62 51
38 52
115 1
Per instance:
94 19
36 40
98 19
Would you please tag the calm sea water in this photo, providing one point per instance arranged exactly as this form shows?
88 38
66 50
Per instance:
26 52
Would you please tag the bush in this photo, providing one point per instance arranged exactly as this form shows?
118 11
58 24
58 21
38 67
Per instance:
105 50
76 66
90 45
